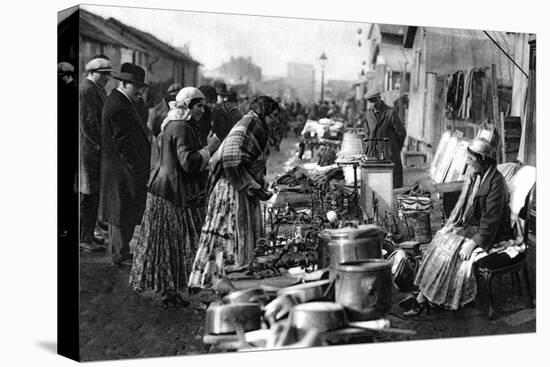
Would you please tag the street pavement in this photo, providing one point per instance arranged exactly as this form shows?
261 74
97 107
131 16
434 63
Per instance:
115 323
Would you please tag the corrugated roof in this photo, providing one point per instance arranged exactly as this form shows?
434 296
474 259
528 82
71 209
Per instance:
96 28
154 42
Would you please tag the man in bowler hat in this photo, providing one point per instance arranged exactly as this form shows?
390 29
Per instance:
125 163
383 121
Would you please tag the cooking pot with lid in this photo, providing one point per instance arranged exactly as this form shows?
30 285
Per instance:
354 244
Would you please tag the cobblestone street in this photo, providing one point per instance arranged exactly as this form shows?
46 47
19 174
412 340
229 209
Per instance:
115 323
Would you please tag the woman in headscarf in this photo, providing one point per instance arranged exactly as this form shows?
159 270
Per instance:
478 225
233 221
170 227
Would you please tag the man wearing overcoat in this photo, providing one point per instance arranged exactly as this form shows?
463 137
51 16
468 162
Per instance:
125 162
382 121
92 98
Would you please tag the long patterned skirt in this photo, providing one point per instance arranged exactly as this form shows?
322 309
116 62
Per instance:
232 226
166 246
443 278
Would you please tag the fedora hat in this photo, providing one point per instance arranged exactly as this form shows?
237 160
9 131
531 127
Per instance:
131 73
482 147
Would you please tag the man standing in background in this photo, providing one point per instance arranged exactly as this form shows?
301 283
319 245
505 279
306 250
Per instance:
92 98
383 121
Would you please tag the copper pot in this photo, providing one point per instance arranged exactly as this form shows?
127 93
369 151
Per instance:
232 318
364 288
251 295
354 244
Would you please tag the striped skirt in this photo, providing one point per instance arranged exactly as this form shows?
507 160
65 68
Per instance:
443 278
166 246
232 226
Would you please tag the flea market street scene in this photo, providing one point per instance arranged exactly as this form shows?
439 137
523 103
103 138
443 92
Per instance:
351 183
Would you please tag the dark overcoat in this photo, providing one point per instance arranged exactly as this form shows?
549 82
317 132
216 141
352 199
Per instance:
92 98
387 124
125 162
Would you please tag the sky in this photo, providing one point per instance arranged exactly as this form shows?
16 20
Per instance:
271 42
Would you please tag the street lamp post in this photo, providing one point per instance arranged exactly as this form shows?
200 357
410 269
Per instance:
323 62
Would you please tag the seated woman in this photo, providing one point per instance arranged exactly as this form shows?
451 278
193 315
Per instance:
479 221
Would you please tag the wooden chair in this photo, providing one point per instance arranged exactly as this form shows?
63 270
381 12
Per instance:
516 265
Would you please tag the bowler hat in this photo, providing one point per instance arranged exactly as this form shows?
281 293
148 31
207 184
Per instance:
221 88
131 73
372 94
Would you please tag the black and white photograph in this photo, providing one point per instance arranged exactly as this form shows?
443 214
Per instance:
279 185
251 183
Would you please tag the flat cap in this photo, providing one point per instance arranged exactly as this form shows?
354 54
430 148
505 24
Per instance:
64 68
372 94
99 64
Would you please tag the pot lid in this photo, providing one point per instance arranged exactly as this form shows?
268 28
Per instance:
364 265
362 231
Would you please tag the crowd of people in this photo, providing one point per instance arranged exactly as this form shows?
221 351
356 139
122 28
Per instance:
191 172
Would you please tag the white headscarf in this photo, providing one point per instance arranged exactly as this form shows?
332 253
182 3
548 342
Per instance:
179 109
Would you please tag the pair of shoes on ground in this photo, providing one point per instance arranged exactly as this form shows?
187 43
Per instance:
91 247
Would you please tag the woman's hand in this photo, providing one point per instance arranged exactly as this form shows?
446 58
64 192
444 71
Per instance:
467 249
213 143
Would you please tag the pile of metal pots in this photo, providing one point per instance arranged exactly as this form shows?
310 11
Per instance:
358 290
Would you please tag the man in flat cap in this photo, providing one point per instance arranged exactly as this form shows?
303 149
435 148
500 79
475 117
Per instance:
125 162
92 98
383 121
159 112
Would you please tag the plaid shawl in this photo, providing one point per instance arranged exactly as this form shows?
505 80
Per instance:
242 155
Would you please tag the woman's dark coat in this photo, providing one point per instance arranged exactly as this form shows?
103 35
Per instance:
176 175
489 216
125 162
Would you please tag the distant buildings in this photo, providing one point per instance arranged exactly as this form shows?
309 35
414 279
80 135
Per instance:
301 80
238 70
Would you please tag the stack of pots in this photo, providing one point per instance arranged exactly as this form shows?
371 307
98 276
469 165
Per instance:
362 278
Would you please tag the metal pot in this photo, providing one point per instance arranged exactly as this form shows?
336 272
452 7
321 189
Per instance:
307 292
251 295
323 257
321 316
354 244
364 288
230 318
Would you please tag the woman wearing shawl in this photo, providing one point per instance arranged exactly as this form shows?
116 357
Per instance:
476 226
171 224
233 221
